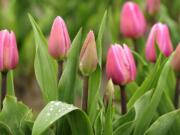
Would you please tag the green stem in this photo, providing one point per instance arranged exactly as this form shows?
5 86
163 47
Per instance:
123 99
60 69
3 87
85 94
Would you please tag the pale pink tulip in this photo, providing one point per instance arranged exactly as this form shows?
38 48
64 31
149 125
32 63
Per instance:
120 66
175 63
132 21
159 35
59 41
8 51
88 55
153 6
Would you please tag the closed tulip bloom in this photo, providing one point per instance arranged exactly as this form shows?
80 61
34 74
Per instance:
132 22
152 6
8 51
88 55
59 41
120 66
159 35
175 63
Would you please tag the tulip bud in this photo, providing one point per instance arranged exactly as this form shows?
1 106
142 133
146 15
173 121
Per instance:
59 41
109 93
120 66
175 63
132 23
109 89
88 55
159 35
152 6
8 51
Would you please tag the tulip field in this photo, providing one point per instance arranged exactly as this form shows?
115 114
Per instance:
94 67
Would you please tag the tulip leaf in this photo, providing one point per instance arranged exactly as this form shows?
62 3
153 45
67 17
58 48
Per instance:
56 110
93 94
99 38
66 85
150 81
98 123
163 124
45 66
5 130
143 121
140 58
125 129
129 116
108 129
14 116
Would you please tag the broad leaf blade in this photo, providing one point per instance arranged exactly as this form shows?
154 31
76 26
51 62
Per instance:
150 81
144 120
56 110
163 124
99 38
93 93
45 66
66 87
13 115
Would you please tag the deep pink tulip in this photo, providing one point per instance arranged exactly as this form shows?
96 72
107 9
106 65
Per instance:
88 55
159 35
59 41
120 66
8 51
153 6
132 22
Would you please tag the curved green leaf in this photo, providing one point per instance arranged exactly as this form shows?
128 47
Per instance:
99 38
163 124
45 66
93 94
13 116
56 110
150 82
145 118
66 87
5 130
125 129
129 116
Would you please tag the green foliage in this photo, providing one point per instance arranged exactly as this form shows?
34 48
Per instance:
56 110
45 66
14 117
66 86
150 97
95 78
163 123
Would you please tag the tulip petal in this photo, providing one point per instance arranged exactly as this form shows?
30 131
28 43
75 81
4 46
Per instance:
131 62
150 46
163 39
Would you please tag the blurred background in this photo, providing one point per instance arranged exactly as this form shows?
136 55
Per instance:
76 13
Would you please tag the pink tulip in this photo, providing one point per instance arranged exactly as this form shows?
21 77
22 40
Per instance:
8 51
59 41
132 22
152 6
175 63
159 35
88 55
120 66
